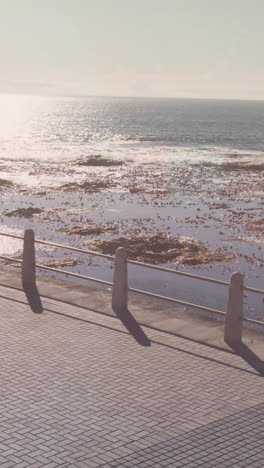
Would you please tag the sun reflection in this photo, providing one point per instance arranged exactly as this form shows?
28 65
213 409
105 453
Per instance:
15 111
9 246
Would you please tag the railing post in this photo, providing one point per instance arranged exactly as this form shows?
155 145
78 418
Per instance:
28 261
120 288
234 314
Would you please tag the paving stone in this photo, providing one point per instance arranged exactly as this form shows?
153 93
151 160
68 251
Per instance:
78 391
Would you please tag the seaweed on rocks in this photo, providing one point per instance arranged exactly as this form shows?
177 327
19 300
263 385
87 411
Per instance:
98 160
24 212
256 225
87 187
89 230
161 248
242 166
4 183
63 262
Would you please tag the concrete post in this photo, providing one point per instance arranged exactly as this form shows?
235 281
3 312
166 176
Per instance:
120 288
234 314
28 265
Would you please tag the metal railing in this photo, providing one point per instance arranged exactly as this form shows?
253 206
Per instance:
233 317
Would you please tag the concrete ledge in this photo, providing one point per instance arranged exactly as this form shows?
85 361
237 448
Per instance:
157 315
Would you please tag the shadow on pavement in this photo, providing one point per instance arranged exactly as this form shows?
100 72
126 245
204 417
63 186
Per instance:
34 300
132 326
249 356
179 335
176 348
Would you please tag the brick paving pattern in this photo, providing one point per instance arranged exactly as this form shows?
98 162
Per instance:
77 390
233 441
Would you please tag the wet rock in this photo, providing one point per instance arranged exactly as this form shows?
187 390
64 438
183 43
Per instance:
242 166
256 225
161 248
98 160
89 230
58 213
87 186
5 184
63 262
148 189
24 212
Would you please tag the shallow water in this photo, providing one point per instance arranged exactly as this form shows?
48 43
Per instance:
177 153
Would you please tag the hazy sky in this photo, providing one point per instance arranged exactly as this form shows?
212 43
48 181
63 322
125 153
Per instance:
196 48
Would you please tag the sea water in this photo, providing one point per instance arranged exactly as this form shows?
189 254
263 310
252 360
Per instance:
210 152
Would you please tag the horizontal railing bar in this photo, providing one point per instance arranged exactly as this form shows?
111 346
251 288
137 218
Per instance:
255 322
248 288
11 235
176 301
68 273
11 259
134 262
57 270
138 291
175 272
76 275
63 246
75 249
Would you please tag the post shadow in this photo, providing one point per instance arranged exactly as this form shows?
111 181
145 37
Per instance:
29 273
132 326
242 350
33 298
120 298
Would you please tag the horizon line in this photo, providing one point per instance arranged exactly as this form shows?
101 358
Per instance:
115 96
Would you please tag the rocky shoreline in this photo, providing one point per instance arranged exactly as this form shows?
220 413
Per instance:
191 217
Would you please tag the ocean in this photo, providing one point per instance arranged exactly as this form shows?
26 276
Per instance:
182 130
191 168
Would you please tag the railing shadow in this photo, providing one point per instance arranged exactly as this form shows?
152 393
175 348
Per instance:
176 348
242 350
132 326
249 356
34 300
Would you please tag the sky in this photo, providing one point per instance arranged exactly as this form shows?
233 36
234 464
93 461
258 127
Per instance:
170 48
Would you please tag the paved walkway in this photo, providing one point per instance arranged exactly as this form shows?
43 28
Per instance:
78 390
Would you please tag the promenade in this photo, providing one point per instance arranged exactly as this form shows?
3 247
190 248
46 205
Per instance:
83 388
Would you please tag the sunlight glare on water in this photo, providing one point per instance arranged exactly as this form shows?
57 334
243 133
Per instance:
15 113
188 156
8 245
45 128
